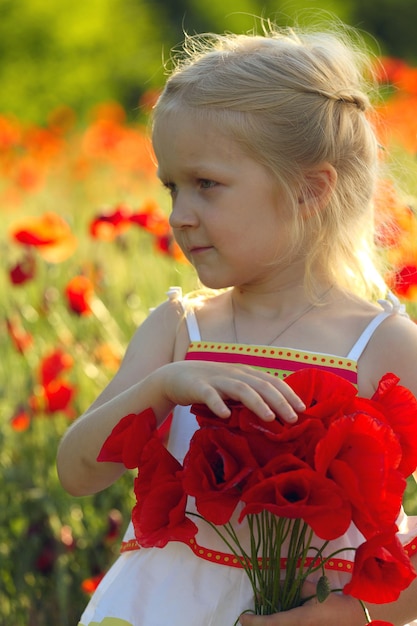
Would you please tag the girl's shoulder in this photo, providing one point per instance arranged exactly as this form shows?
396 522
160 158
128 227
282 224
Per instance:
210 308
392 348
151 347
155 338
398 333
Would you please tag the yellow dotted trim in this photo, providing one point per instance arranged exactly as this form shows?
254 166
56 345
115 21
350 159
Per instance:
283 353
410 548
223 558
128 546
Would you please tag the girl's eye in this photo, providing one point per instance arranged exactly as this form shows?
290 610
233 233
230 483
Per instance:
206 183
171 187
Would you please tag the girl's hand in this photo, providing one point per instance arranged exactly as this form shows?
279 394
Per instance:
200 382
336 609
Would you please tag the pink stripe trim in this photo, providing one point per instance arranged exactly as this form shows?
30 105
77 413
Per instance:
268 362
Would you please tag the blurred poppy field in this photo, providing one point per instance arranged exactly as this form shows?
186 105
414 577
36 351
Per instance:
87 251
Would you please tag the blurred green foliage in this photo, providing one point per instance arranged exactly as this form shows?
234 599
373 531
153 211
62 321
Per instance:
52 545
81 53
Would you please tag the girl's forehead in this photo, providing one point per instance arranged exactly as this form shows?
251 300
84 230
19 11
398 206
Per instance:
192 130
172 119
188 118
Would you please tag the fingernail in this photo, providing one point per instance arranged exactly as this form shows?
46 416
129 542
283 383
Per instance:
292 417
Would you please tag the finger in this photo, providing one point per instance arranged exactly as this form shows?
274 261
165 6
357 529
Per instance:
257 620
309 589
213 399
259 396
289 394
268 397
295 617
216 393
250 395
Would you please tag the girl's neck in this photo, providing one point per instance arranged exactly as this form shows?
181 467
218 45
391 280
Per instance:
265 318
283 295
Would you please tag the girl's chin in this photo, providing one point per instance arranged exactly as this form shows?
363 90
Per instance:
213 283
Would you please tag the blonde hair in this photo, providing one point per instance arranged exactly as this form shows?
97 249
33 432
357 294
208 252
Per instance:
294 100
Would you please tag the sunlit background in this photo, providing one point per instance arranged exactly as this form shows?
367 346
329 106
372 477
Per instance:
86 247
78 54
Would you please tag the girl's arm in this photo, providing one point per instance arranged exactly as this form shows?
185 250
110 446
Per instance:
148 377
151 347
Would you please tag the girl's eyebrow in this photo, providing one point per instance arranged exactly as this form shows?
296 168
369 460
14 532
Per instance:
194 171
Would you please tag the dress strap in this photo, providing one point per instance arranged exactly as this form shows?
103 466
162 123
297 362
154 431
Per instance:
175 293
391 306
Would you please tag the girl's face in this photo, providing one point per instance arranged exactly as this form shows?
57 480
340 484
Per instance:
226 207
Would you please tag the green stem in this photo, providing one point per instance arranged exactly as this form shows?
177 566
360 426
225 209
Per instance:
365 610
268 533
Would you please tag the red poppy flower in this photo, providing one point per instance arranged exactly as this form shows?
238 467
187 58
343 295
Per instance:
23 270
108 226
397 72
53 393
57 395
160 517
20 420
49 233
326 395
397 406
215 468
152 219
79 293
159 514
89 585
301 494
381 570
54 364
396 120
361 455
265 437
405 282
128 438
114 521
244 420
167 245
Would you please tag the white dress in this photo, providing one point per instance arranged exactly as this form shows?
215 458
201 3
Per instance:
190 585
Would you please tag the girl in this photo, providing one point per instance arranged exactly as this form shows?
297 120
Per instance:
265 147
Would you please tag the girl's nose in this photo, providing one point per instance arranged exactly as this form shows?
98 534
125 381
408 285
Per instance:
183 214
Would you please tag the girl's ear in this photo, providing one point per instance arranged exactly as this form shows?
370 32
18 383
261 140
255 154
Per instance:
317 189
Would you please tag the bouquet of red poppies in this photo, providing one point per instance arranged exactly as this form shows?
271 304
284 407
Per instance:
296 486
